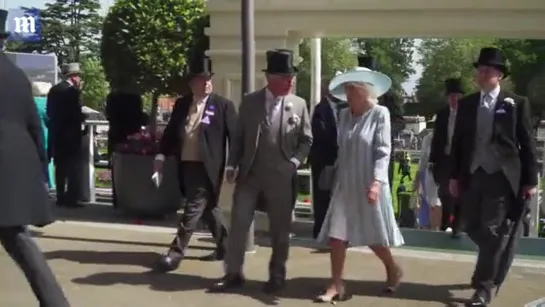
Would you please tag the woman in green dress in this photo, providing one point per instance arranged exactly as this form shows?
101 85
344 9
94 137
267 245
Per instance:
40 91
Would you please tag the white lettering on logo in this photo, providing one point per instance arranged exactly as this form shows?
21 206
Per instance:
26 24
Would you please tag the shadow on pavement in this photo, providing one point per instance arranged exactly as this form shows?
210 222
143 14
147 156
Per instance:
309 288
143 259
120 242
133 258
172 282
105 213
298 288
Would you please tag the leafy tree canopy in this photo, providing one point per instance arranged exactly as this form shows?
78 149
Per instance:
148 42
95 87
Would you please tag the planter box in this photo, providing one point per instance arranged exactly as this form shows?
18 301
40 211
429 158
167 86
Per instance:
135 191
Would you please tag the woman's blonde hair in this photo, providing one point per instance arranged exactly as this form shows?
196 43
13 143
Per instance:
40 88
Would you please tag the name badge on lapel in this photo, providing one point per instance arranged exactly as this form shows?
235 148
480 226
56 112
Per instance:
209 113
205 120
500 111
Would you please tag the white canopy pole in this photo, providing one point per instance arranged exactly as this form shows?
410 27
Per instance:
315 71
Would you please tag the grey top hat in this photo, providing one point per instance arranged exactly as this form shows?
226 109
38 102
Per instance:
71 69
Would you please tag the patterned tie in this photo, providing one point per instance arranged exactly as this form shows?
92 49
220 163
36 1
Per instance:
487 100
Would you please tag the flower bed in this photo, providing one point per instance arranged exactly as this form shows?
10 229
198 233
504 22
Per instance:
133 167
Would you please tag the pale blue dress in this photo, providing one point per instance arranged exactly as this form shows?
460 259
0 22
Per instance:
364 154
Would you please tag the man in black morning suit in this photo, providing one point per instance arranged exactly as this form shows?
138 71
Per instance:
440 153
494 166
198 133
323 151
23 180
66 135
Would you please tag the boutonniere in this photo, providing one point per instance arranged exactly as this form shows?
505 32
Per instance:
293 120
288 106
509 101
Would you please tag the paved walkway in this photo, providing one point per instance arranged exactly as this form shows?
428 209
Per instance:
109 267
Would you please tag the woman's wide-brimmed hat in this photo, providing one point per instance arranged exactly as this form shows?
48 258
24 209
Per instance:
490 56
380 82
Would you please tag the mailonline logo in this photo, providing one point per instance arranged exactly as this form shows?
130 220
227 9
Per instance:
537 303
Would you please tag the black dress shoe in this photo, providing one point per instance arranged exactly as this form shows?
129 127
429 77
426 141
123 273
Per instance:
215 256
169 262
479 299
274 286
227 283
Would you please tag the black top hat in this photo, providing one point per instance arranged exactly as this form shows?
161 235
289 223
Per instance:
454 86
490 56
200 66
368 62
3 19
280 61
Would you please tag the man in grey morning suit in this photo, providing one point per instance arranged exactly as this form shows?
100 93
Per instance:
273 139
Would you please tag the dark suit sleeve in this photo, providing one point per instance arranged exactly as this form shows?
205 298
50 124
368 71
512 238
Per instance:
527 145
237 142
456 142
318 129
231 122
170 134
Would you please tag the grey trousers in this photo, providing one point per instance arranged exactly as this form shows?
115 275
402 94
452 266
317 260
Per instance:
24 251
486 206
276 191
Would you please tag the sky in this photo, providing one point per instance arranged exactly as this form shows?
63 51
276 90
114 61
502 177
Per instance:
409 85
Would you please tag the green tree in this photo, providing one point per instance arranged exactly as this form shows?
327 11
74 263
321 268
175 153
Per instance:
336 56
95 87
70 29
527 59
147 42
443 59
394 56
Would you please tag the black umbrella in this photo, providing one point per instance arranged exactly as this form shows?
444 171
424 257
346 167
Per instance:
506 259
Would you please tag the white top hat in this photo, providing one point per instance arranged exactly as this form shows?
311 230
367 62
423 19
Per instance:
40 88
380 82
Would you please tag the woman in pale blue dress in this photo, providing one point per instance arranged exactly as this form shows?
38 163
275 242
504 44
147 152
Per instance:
361 211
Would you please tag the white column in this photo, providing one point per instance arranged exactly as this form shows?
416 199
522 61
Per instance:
315 71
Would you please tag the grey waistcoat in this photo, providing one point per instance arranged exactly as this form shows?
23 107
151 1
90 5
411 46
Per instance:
268 153
485 155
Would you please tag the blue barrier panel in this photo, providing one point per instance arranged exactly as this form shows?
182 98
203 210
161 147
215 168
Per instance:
24 25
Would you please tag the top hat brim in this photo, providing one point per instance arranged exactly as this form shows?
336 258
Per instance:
500 66
378 80
293 71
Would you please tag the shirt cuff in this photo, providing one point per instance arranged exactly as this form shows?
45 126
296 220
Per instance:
160 157
295 162
229 168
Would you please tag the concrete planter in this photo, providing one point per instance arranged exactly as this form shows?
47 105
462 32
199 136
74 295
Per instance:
136 193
